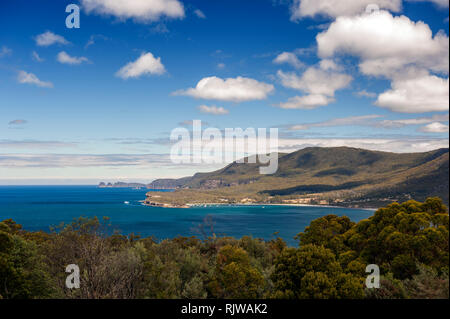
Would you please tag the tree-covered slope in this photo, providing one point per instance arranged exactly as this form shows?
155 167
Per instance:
331 175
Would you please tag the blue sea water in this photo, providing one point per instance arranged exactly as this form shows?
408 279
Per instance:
39 207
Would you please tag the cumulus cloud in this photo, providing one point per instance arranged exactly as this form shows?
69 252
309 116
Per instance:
336 8
199 13
426 93
49 38
385 44
327 64
139 10
216 110
435 127
288 58
398 49
315 81
238 89
318 84
146 64
65 58
30 78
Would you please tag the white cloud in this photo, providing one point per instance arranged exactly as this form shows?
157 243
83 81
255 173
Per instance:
4 51
49 38
318 84
221 66
36 57
199 13
336 8
385 44
306 102
327 64
288 58
29 78
365 93
435 127
213 110
315 81
414 121
238 89
427 93
407 145
64 58
352 120
399 49
139 10
145 64
373 120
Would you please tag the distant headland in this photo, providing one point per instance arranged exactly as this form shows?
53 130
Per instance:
169 184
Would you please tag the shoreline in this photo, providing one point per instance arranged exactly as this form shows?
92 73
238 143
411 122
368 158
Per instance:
205 205
293 205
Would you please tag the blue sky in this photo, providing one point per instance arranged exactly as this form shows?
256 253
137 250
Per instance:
68 116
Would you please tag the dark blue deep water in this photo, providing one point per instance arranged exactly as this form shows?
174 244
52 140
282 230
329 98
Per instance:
39 207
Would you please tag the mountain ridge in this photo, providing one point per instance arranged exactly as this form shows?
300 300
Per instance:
338 176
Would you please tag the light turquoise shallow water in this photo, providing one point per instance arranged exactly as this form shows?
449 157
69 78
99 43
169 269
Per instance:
39 207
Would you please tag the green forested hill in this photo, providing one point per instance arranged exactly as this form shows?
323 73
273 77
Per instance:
341 175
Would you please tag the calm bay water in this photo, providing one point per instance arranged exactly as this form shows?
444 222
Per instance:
39 207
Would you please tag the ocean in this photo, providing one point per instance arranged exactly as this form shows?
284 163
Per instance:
40 207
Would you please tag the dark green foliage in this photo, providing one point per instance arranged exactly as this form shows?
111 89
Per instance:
307 189
312 272
408 241
398 238
22 270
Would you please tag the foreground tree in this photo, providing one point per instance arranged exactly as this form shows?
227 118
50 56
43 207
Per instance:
23 273
234 276
312 272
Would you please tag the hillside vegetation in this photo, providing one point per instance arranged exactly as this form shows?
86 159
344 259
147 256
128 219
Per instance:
333 176
409 242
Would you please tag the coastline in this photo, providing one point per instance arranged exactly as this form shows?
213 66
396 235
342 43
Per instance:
188 205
